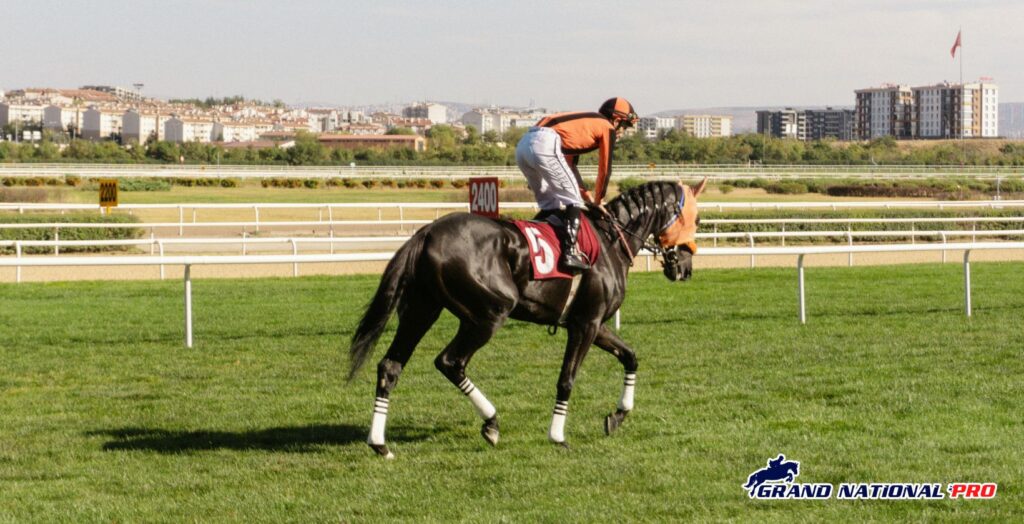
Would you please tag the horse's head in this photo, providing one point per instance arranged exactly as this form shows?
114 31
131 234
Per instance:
679 238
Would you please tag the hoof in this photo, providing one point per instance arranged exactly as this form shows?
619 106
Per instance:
382 450
490 431
613 421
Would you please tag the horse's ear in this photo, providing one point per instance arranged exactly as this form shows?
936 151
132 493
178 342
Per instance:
699 187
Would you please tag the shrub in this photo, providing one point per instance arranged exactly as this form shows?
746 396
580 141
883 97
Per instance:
349 182
786 188
143 184
418 183
387 182
334 182
369 183
629 183
265 182
311 183
403 183
726 189
459 183
230 182
437 183
72 180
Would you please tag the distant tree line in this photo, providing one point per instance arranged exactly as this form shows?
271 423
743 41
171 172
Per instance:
448 147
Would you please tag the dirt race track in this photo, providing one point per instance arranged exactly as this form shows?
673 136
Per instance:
49 274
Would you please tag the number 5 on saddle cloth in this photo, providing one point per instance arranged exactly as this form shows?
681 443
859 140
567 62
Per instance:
546 250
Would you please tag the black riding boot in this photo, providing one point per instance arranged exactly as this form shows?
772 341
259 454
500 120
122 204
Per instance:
572 258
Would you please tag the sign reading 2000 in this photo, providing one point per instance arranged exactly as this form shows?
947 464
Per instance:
483 196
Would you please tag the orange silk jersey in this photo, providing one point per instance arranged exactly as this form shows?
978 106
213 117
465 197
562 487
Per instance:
583 133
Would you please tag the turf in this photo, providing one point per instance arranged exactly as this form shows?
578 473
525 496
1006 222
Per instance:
107 417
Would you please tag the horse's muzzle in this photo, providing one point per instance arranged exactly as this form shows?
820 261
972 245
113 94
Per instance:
677 264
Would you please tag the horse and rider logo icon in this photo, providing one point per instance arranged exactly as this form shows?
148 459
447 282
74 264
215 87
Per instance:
779 469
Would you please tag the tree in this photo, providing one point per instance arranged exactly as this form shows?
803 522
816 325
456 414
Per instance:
398 130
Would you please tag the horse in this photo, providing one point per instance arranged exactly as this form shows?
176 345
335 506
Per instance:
478 268
778 469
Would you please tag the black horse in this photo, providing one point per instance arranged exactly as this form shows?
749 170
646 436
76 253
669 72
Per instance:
479 269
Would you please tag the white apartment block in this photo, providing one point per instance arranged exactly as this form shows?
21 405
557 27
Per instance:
481 119
185 129
61 118
649 126
234 132
955 111
436 113
884 111
20 113
101 123
705 126
138 126
501 120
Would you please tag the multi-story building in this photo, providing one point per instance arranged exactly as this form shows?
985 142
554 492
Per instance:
101 123
234 132
829 123
649 126
884 111
705 126
20 114
957 111
122 93
787 123
64 119
323 120
139 126
185 129
436 113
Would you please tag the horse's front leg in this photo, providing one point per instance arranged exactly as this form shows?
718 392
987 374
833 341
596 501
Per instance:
580 339
607 340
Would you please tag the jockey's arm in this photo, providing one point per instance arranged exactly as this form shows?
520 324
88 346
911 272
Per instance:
604 164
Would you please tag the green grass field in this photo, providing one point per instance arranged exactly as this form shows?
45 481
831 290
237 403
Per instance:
107 417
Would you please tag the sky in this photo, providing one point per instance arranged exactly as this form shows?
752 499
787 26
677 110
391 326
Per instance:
565 55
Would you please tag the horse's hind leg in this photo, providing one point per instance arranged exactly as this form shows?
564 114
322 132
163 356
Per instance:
452 364
610 342
414 320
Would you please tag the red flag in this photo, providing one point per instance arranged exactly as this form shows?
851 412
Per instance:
952 52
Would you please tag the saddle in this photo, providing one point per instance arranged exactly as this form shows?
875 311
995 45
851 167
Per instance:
546 249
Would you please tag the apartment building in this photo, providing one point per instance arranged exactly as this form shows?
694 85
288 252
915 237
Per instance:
11 113
436 113
234 132
787 123
884 111
705 126
649 126
829 123
138 126
101 123
186 129
954 111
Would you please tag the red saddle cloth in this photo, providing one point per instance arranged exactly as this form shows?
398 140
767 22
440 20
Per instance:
546 250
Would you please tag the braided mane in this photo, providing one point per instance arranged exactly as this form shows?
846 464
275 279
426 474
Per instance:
646 207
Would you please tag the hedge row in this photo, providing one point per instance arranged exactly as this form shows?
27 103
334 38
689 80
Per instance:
46 233
367 183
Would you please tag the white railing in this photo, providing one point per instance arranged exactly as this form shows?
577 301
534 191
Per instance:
329 208
588 170
799 252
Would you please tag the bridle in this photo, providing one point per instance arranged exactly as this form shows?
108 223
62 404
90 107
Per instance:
668 255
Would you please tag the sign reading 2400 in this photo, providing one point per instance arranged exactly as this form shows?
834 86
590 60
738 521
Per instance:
483 196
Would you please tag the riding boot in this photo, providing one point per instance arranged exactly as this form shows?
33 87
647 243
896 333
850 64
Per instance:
572 258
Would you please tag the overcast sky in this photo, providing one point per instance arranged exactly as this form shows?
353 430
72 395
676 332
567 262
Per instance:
559 54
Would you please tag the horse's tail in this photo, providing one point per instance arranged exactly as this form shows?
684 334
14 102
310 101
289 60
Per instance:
392 286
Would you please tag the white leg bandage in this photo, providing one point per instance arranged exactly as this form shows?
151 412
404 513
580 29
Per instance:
483 407
380 419
557 432
626 401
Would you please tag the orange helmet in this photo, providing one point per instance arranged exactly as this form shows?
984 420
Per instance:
620 108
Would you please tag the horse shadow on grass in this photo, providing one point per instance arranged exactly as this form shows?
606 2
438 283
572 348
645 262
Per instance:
298 439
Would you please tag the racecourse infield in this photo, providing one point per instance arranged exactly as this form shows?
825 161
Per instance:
107 418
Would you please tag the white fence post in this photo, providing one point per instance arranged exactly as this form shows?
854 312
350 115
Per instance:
188 305
849 241
257 210
181 221
160 245
618 322
17 254
751 238
800 288
295 251
943 251
967 282
56 239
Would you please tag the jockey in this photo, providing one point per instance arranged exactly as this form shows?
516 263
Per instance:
548 153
